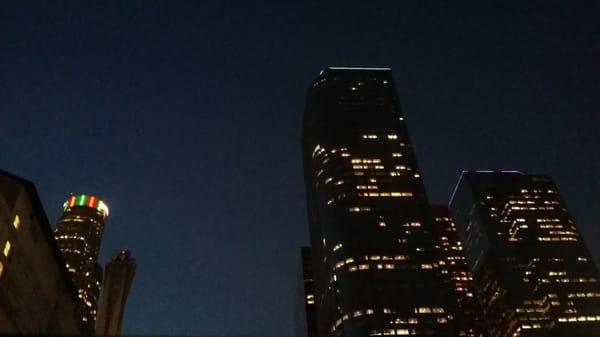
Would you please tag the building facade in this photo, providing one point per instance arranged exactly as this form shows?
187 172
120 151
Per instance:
456 272
375 264
79 234
118 276
37 296
305 319
532 271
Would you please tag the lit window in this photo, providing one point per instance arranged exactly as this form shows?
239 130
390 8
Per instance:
16 222
7 248
1 269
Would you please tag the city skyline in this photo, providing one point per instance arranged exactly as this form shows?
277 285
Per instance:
179 109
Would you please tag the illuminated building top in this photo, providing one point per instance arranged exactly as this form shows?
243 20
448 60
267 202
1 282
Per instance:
90 201
79 236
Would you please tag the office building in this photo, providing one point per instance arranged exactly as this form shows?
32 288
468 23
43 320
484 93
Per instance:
305 319
79 234
118 276
532 270
455 270
375 265
37 296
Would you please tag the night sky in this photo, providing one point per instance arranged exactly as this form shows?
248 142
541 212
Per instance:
186 118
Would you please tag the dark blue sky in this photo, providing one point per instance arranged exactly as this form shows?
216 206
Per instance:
185 117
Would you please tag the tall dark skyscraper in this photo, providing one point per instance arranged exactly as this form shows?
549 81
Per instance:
79 234
118 275
375 265
455 270
532 270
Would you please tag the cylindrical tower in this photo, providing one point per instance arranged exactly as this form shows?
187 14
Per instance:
79 234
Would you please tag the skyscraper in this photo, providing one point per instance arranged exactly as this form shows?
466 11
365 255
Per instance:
532 270
372 247
456 271
118 275
79 234
305 316
37 296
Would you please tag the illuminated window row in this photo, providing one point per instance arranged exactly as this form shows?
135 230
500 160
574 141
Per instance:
374 136
71 237
428 310
555 238
359 209
579 319
387 266
393 332
385 194
547 220
366 187
367 167
551 226
567 280
345 317
541 208
583 295
366 161
349 260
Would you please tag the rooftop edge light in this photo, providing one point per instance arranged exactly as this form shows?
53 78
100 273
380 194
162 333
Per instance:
89 201
356 68
477 171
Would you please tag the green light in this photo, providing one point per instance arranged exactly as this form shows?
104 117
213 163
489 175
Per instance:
81 200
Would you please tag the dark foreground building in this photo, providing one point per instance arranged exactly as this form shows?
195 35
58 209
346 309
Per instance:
118 276
79 234
532 270
37 296
375 266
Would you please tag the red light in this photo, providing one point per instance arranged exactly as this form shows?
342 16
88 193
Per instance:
92 202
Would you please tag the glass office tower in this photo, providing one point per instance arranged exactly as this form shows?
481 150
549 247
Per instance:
455 270
373 251
534 274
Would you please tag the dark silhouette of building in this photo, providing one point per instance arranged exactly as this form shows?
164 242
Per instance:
79 234
533 272
118 276
456 271
305 316
37 296
375 264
